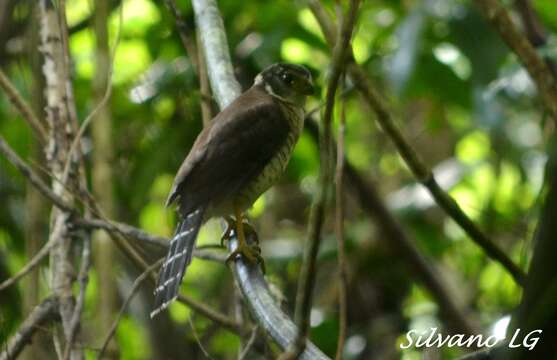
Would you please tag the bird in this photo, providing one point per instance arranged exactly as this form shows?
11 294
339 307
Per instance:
237 157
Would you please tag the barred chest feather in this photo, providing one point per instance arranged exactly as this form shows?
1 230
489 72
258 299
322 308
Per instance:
275 168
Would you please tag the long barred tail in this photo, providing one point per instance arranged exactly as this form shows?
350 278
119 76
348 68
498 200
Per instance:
177 259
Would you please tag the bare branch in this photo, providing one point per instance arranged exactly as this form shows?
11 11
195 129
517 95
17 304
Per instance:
539 71
251 341
83 279
186 33
422 173
191 44
135 233
204 88
33 263
136 284
264 308
104 99
24 109
33 178
41 314
58 94
215 48
339 229
123 229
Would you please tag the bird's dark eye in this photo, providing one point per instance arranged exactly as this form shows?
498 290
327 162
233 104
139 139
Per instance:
287 78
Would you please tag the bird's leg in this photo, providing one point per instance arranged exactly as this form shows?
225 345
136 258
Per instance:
250 252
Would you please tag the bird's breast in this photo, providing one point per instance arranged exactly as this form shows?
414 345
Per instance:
274 169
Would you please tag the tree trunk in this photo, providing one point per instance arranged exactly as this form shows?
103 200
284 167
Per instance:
62 272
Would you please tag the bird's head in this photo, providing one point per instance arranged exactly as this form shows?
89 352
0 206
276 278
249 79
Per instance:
288 82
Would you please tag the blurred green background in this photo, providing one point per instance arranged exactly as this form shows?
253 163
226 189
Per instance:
461 98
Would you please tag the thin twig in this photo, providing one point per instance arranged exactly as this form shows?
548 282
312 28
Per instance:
422 173
83 279
249 344
24 109
204 88
339 229
33 263
191 44
123 229
186 34
136 284
132 232
104 99
33 178
44 312
309 267
534 29
198 340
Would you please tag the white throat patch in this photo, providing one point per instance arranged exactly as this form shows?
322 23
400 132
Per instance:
259 80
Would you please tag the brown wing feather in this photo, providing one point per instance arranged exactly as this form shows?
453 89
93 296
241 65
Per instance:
232 151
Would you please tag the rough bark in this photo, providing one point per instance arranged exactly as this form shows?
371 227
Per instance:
60 134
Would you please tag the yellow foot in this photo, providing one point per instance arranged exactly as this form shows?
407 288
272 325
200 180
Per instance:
252 253
230 229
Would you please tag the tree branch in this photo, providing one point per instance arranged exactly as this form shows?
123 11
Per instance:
83 279
136 284
422 173
33 178
215 48
401 242
264 308
41 314
191 42
539 71
24 109
339 230
33 263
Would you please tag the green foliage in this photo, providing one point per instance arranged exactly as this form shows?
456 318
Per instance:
458 95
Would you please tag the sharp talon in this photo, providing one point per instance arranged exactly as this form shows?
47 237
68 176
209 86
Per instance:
250 232
227 233
252 253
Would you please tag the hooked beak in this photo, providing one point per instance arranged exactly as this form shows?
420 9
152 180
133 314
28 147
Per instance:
307 87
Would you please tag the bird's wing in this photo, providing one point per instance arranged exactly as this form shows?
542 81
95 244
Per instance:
232 151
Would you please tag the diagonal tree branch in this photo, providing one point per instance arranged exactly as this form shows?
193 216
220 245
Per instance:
23 108
41 314
422 173
400 240
33 178
136 285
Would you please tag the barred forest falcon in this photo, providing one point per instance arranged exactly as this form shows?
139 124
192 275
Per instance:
236 158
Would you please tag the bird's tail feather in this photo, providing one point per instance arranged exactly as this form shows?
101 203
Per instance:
177 259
